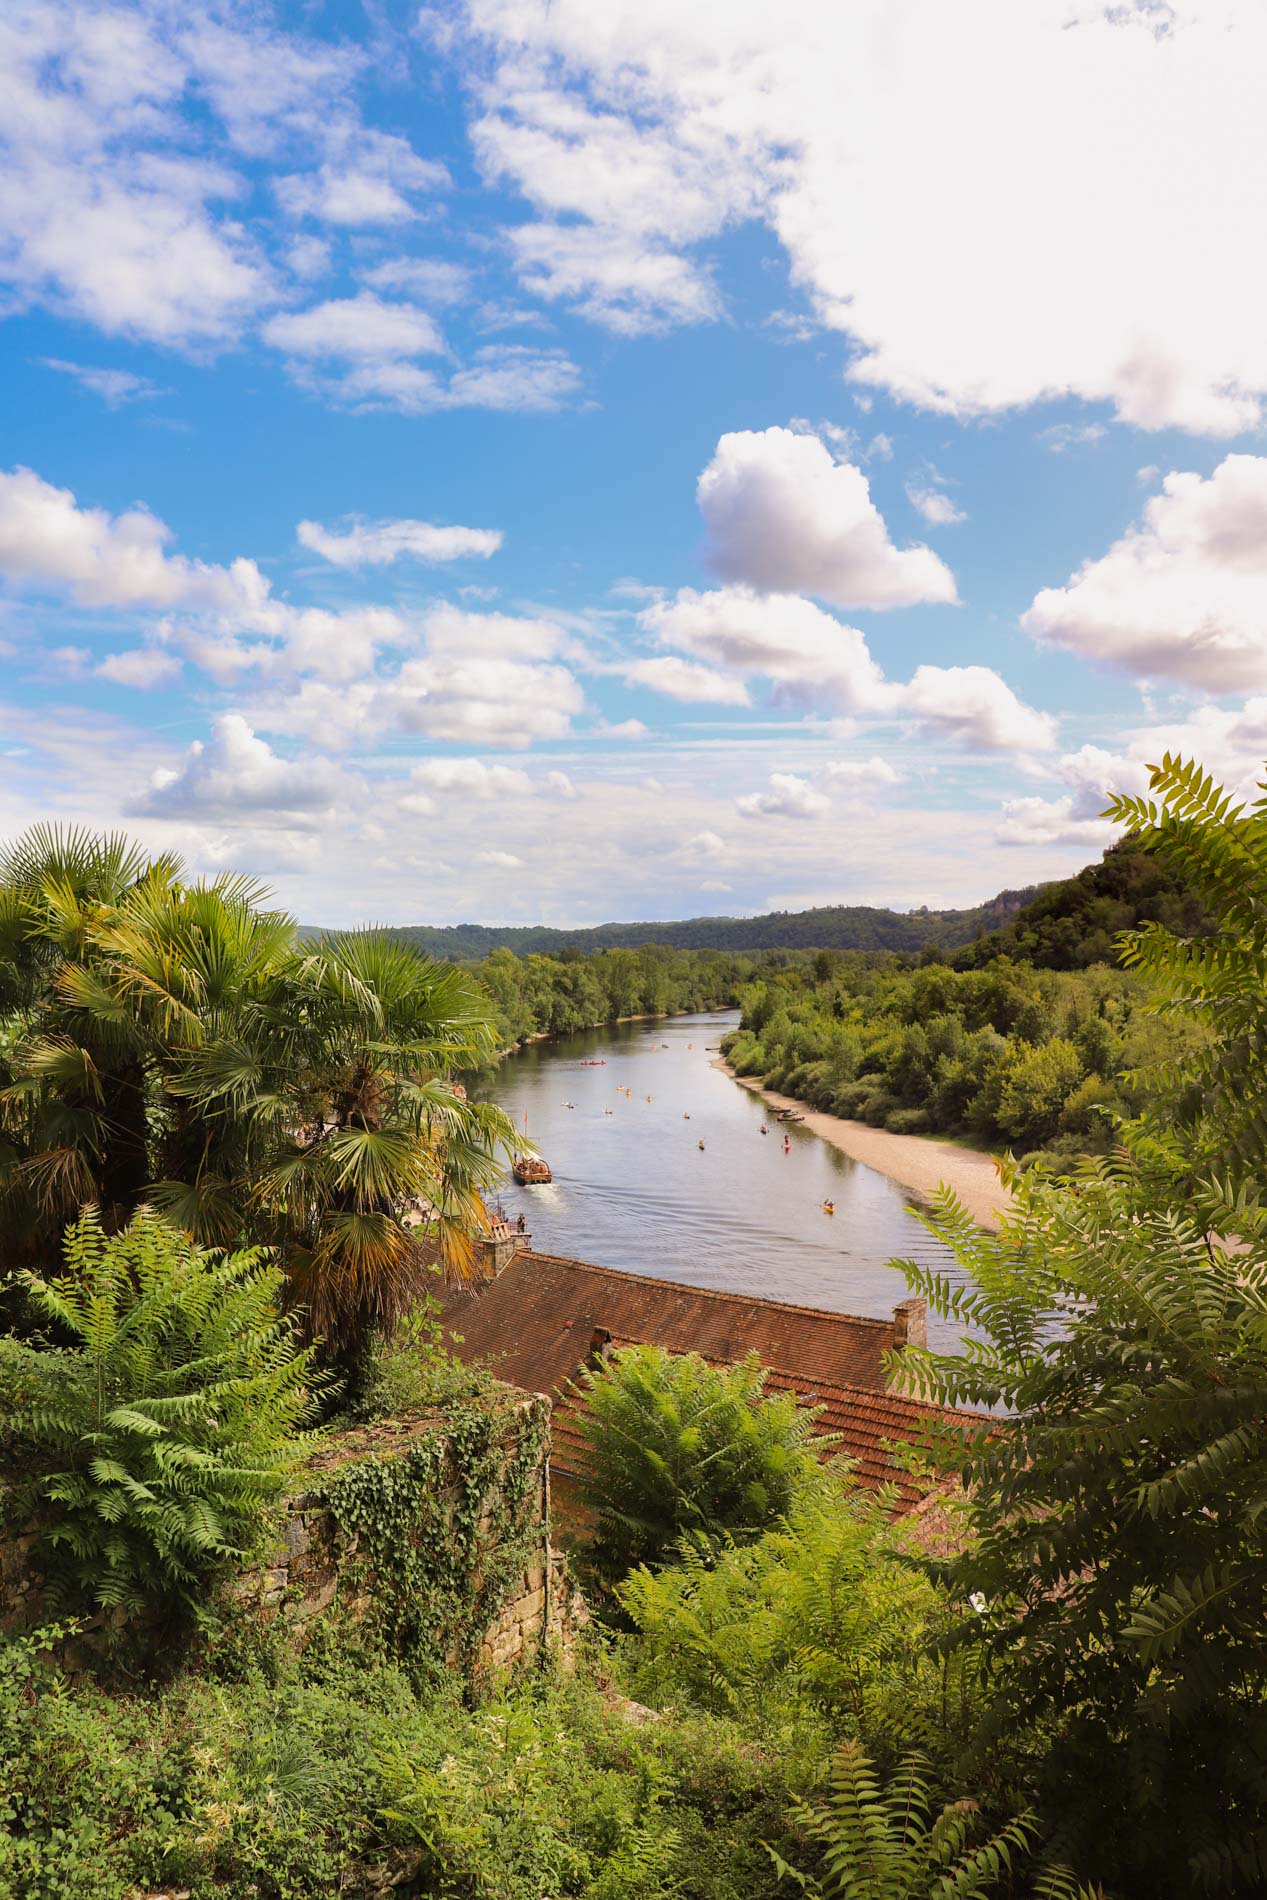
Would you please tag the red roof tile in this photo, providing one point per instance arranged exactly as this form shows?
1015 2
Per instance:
534 1322
538 1321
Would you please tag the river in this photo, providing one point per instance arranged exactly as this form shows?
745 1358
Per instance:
633 1189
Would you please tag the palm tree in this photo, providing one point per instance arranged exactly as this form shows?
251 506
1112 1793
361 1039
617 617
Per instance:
354 1150
73 1110
175 1043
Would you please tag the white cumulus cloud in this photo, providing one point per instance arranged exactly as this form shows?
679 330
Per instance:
104 560
124 201
807 653
1184 594
687 681
783 516
434 280
361 327
142 667
975 707
1049 821
472 778
788 640
935 505
788 797
1133 161
366 179
235 773
862 774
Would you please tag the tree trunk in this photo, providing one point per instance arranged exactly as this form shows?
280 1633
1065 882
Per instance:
124 1172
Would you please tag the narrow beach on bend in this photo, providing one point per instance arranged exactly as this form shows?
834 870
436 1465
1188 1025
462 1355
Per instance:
918 1162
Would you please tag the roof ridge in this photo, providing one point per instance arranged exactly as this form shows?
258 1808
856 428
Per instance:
828 1387
684 1286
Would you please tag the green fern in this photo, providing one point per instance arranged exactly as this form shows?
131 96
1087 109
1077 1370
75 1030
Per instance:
885 1843
822 1613
160 1436
676 1447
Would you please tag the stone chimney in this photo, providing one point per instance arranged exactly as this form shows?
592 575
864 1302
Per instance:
497 1248
910 1324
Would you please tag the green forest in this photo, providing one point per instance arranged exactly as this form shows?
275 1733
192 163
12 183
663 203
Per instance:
214 1139
834 926
554 995
1034 1038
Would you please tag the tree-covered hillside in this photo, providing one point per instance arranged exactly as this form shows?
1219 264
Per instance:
1073 923
1020 1042
553 996
829 927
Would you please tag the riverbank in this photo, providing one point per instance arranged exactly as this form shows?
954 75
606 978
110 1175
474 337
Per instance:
917 1162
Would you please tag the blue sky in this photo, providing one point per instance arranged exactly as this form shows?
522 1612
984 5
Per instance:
520 462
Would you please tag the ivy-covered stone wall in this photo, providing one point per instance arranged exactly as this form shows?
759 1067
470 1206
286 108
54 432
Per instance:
428 1539
424 1539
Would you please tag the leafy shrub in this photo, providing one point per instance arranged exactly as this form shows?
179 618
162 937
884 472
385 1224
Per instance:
1089 1110
908 1121
1036 1084
821 1617
409 1370
1119 1545
340 1779
156 1441
878 1843
1120 1550
676 1447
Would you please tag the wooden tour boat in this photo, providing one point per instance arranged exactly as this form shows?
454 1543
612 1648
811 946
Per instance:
531 1170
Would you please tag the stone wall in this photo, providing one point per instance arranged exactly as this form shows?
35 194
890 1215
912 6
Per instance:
507 1595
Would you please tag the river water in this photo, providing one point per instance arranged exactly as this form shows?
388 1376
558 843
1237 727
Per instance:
633 1189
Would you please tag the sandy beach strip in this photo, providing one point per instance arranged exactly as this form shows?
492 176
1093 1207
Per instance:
916 1161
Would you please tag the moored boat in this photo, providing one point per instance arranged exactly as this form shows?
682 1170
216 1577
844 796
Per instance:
531 1170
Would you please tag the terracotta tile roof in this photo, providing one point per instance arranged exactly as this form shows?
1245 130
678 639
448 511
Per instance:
534 1322
870 1427
538 1321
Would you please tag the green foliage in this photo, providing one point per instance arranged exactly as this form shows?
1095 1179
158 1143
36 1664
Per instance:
822 1619
332 1777
1119 1548
173 1043
1216 1105
1005 1054
1119 1564
152 1445
829 926
878 1843
555 995
410 1370
676 1447
1076 921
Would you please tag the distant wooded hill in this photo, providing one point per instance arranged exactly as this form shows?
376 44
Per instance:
1074 922
1064 925
832 927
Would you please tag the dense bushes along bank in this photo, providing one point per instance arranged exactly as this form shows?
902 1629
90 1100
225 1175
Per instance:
554 996
1008 1055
